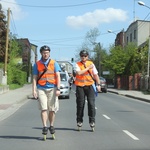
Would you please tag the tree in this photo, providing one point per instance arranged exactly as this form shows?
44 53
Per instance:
15 73
3 30
124 61
132 64
116 60
88 42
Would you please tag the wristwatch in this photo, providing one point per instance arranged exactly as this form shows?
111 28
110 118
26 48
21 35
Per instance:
98 84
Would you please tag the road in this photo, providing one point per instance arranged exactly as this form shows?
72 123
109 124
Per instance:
121 124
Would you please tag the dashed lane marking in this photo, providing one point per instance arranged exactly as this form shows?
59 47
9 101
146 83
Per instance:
106 116
131 135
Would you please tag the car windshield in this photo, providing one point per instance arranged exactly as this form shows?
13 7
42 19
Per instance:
63 77
102 79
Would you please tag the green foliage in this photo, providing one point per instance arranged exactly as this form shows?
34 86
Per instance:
127 60
14 86
16 76
3 30
116 60
15 73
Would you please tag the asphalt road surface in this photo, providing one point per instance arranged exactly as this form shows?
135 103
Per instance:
121 124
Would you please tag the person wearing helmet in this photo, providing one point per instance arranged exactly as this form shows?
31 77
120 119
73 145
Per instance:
86 76
46 87
63 67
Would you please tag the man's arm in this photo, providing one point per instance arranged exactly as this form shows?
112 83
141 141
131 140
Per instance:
58 79
34 92
97 79
79 72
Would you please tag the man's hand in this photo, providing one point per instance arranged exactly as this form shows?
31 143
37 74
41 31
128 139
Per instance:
57 92
35 95
90 67
99 88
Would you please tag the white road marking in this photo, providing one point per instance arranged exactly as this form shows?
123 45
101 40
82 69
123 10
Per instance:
131 135
106 116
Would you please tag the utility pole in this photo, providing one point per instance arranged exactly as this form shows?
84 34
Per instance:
99 59
7 42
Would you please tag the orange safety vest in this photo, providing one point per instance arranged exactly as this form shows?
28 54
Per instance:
84 79
49 75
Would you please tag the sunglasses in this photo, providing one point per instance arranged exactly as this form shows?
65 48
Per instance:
83 55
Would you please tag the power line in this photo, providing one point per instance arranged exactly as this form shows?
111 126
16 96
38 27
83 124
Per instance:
13 23
55 6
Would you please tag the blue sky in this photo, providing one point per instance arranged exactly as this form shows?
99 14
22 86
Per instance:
62 25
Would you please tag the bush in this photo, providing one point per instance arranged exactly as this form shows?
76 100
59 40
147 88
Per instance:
16 76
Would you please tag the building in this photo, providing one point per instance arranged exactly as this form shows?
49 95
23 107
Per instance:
29 55
138 32
33 56
120 39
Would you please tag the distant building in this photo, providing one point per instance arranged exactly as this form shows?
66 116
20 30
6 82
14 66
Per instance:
138 33
120 39
33 56
29 55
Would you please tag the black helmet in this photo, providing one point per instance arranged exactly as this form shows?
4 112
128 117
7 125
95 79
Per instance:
45 48
84 52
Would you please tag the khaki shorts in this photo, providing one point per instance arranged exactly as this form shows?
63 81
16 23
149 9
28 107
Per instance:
48 99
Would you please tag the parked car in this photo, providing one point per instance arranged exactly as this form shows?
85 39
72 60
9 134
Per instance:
64 85
103 84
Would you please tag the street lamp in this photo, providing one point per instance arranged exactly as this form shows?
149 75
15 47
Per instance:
110 31
143 4
99 57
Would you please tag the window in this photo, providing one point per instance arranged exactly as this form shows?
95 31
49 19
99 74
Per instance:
131 37
134 34
63 77
127 39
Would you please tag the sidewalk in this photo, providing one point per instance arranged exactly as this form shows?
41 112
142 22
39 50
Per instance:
131 93
12 100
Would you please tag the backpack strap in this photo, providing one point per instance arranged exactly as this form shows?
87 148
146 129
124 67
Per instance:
43 71
88 71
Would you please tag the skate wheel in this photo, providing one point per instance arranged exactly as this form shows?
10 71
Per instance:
53 136
79 128
92 129
44 138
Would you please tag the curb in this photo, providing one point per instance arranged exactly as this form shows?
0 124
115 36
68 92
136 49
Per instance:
130 96
138 98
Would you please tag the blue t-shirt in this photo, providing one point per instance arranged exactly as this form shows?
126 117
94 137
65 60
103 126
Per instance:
56 69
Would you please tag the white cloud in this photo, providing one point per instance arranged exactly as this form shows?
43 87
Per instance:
15 9
97 17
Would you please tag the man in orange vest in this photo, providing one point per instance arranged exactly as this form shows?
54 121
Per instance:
46 87
86 77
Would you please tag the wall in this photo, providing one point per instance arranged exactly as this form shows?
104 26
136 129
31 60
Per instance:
136 82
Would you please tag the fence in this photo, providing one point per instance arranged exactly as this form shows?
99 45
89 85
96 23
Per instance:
136 82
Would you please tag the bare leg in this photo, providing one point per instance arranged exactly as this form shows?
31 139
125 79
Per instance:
44 117
51 118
